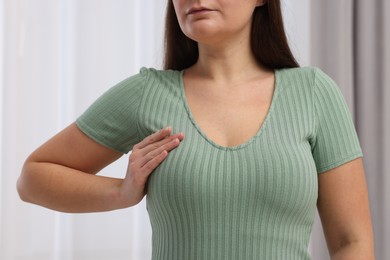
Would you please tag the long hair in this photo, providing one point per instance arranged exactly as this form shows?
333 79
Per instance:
268 40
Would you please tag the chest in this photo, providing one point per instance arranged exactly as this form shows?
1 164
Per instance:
267 180
229 117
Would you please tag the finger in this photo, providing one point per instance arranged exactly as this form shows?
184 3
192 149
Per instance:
157 136
152 164
154 146
166 147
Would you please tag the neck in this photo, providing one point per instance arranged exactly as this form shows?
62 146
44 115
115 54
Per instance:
229 62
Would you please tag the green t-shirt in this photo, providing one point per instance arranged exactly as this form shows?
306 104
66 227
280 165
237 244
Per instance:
256 200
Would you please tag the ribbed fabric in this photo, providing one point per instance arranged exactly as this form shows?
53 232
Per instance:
256 200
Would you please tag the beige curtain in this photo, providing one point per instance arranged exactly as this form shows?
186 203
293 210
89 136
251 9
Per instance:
351 42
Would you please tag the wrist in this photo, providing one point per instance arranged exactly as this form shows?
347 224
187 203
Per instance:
124 196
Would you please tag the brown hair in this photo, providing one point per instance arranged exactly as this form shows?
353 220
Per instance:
268 40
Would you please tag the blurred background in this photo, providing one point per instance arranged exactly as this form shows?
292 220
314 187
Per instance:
58 56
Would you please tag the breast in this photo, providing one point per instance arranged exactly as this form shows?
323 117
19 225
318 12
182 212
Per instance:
259 192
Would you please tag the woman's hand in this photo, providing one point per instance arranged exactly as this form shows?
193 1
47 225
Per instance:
144 158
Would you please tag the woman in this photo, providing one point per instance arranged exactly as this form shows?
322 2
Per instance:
266 143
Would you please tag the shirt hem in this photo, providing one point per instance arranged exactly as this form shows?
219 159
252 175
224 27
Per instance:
340 162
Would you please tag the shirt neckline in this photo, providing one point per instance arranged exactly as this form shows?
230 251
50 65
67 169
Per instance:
262 128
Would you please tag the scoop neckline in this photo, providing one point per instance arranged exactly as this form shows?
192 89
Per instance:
250 140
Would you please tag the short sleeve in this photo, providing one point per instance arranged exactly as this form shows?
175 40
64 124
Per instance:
336 141
112 119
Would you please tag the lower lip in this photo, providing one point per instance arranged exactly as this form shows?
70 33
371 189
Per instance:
200 12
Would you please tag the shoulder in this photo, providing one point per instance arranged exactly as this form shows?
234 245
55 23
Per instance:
136 83
308 73
158 74
310 76
162 82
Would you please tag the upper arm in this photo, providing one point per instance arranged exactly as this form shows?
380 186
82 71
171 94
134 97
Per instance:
343 206
342 198
335 140
100 135
72 148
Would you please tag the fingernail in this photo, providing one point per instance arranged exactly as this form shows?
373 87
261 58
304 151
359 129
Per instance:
167 128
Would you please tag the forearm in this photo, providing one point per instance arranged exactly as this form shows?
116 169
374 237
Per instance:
354 251
68 190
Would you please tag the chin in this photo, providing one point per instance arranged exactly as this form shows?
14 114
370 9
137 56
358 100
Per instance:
201 29
206 36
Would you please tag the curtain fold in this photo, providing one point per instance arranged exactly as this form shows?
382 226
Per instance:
351 42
